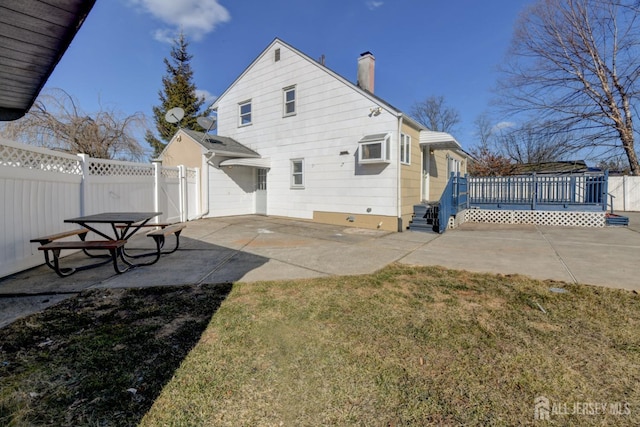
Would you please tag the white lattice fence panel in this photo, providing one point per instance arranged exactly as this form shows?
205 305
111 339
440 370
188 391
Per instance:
22 156
554 218
98 167
170 173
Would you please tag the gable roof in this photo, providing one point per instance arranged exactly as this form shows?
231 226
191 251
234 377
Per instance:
34 35
220 145
387 106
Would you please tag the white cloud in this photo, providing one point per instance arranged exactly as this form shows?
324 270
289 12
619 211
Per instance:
195 18
503 125
373 4
209 98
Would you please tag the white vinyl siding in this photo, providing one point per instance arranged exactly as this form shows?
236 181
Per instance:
331 118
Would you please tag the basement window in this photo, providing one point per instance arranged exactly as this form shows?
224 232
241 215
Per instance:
374 148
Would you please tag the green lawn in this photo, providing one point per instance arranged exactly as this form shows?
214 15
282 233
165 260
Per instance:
403 347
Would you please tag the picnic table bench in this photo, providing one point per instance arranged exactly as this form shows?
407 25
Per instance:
81 232
160 234
113 246
124 225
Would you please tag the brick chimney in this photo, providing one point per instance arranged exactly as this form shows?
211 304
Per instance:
366 71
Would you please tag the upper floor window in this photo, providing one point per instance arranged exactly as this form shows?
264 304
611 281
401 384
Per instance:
405 149
245 113
289 100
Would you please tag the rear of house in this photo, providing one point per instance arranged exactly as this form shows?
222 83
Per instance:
321 148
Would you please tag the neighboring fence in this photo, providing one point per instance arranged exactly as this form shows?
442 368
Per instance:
625 192
585 192
40 188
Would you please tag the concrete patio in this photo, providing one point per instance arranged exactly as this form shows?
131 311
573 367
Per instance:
255 248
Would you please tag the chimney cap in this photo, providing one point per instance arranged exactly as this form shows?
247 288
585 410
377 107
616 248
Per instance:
366 53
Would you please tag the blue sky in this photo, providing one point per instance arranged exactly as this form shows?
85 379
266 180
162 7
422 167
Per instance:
422 47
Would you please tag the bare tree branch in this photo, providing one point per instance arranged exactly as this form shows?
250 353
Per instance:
435 114
576 63
56 121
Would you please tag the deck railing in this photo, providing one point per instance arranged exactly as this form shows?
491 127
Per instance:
540 192
575 192
454 199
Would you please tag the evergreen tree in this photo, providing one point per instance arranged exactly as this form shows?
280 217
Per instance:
178 91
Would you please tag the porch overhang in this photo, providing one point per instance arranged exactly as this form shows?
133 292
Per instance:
439 141
252 162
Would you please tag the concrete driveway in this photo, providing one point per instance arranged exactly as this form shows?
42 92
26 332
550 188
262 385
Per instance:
254 248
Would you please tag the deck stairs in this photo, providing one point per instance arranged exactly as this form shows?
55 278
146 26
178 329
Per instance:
612 219
425 218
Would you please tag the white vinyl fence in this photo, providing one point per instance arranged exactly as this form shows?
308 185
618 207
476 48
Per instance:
40 188
626 192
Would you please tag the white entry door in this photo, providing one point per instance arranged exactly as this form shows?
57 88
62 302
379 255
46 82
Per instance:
261 192
426 164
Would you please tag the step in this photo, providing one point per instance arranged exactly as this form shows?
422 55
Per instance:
616 220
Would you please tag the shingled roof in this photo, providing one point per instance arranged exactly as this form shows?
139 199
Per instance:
221 145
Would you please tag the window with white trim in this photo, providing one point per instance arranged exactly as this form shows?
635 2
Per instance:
289 101
453 165
297 173
374 148
405 149
244 109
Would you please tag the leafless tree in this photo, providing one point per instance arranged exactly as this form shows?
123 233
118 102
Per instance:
534 143
56 121
435 114
487 158
577 63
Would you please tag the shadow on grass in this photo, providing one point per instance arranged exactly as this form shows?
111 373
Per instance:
100 358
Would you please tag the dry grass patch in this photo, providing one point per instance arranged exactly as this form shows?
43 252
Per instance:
409 346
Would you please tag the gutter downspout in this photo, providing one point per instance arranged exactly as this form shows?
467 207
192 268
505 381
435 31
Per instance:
204 191
398 176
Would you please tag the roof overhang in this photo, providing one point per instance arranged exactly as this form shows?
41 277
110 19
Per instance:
261 163
441 141
34 34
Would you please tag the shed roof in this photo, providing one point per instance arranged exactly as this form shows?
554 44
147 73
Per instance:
34 34
221 145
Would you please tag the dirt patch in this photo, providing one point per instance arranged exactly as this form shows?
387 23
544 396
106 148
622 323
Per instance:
102 357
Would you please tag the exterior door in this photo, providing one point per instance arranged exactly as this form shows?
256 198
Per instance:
261 191
426 164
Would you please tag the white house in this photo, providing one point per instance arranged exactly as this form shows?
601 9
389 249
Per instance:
295 139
